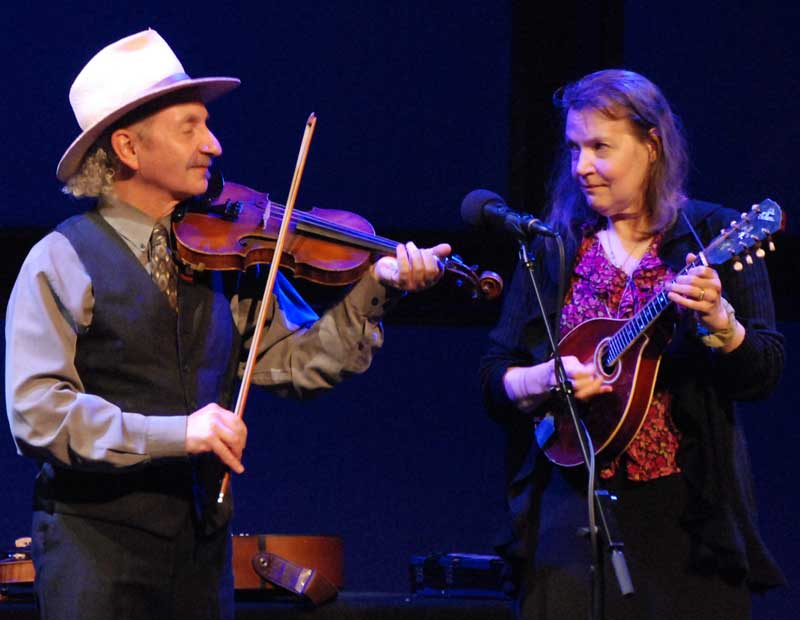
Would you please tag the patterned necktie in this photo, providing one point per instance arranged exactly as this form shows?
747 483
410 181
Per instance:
162 267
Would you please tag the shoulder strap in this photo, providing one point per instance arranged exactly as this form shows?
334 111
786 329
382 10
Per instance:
692 230
300 580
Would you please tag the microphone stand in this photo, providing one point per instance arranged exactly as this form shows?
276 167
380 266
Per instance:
603 500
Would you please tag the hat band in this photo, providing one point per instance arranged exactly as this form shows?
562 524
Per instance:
171 79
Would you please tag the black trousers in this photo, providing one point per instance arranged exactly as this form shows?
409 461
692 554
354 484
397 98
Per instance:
557 584
95 570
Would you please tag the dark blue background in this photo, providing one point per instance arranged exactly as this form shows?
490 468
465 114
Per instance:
413 101
412 114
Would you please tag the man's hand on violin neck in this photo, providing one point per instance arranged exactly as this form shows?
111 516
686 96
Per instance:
413 269
217 430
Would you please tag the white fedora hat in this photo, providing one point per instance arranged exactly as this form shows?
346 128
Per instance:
120 78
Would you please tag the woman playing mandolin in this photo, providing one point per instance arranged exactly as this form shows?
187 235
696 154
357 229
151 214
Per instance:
685 506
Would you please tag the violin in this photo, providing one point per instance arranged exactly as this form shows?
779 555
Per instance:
233 227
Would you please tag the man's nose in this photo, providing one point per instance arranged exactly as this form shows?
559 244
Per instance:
211 145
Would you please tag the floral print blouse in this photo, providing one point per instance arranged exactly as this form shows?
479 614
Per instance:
598 288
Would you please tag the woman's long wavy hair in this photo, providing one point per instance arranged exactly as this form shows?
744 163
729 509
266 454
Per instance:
620 94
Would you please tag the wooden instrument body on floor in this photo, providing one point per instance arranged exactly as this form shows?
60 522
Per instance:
323 553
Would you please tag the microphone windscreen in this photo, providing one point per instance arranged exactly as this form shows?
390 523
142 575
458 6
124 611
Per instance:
473 204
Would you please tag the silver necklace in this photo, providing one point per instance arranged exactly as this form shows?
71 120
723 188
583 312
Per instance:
628 255
629 279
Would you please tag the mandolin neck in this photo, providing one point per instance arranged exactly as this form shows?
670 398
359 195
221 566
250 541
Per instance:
640 322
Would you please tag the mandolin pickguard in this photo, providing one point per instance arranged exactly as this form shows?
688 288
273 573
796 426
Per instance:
612 419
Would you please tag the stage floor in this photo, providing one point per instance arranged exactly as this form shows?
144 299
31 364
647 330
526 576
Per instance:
348 606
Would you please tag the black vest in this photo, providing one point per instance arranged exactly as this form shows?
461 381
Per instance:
143 357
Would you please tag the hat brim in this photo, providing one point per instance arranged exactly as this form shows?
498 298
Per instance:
208 90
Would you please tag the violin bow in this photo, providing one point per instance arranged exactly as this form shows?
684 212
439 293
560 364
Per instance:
270 285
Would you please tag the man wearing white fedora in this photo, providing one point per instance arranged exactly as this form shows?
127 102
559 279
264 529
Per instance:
119 373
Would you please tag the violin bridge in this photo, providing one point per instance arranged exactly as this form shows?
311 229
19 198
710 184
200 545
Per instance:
267 209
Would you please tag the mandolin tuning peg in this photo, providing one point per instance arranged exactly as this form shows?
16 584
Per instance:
748 259
770 244
760 253
737 265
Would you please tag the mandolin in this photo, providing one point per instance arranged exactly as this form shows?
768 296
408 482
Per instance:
627 352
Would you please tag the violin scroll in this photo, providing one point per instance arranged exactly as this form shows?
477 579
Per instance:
490 284
486 284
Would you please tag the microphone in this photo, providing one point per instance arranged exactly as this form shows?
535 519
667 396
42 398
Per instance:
486 209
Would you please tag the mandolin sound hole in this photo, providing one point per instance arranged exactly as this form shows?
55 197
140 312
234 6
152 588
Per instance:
608 372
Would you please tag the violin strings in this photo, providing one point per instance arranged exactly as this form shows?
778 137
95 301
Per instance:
359 238
324 225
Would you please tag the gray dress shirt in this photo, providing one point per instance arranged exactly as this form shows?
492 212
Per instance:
52 302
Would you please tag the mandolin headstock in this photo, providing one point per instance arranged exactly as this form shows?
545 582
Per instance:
749 232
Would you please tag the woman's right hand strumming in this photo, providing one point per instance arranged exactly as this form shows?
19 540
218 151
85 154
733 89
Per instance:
530 386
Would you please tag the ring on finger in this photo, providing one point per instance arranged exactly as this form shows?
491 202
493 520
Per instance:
702 294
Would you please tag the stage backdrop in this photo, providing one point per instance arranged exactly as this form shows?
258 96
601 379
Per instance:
413 102
411 98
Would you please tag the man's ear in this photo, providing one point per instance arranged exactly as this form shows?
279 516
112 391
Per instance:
125 144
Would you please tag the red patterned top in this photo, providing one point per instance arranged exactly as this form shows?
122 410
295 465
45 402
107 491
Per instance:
599 288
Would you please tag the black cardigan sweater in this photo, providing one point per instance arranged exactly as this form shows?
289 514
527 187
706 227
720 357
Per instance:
720 515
